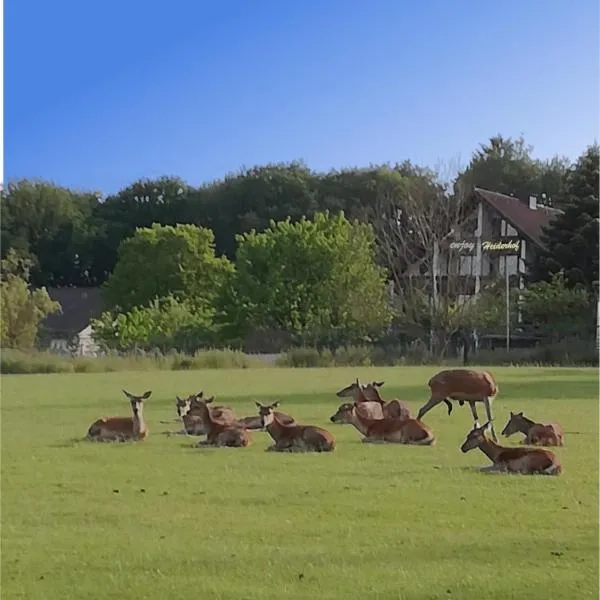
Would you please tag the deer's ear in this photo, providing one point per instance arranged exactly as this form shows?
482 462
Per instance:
520 414
178 399
127 393
209 400
147 395
258 404
357 383
378 383
275 404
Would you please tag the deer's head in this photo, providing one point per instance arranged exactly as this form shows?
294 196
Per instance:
343 414
266 413
137 401
476 437
513 424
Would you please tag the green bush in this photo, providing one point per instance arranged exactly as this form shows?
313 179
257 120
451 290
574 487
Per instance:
16 362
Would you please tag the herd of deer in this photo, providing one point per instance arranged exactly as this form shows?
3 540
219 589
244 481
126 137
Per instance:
376 419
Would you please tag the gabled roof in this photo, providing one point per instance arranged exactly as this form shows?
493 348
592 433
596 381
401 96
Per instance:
79 305
527 221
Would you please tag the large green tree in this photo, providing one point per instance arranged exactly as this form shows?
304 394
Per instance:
22 309
166 260
314 279
53 226
571 239
506 165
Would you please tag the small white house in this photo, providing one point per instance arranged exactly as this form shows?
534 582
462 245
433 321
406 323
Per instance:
69 331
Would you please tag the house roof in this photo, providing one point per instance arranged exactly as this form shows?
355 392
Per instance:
78 306
529 222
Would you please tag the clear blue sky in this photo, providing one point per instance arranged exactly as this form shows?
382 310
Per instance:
98 94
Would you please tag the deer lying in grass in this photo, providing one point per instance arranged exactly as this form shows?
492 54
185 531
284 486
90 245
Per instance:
191 413
371 410
122 428
218 432
370 393
527 461
537 434
399 430
464 385
255 421
308 438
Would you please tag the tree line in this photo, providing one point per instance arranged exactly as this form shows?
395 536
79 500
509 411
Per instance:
231 253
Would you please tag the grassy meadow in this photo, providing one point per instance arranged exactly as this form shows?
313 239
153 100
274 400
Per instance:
160 519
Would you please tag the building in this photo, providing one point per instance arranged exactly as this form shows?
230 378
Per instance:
68 331
499 236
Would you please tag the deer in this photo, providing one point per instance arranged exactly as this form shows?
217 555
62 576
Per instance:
370 393
255 422
121 429
294 437
399 430
191 414
537 434
464 385
218 432
526 461
343 415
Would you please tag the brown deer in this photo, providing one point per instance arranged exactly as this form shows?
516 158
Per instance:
219 432
537 434
122 428
294 437
191 413
370 393
527 461
393 430
255 422
343 415
464 385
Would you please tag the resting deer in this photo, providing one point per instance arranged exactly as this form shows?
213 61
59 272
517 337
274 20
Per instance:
371 410
190 413
537 434
255 421
527 461
122 428
218 432
400 430
370 393
464 385
294 437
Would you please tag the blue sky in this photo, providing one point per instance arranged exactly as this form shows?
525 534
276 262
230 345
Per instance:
98 94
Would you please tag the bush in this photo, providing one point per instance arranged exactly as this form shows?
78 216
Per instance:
16 362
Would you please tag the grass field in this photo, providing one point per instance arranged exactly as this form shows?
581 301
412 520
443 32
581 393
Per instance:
160 520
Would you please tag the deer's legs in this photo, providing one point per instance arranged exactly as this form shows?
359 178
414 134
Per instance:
488 411
428 406
474 411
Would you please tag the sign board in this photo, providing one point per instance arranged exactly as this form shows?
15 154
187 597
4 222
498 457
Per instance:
497 247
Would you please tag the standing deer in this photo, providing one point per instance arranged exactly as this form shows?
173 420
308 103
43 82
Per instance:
370 393
464 385
536 434
527 461
294 437
122 428
218 432
399 430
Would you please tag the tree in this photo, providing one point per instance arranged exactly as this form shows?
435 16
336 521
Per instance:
252 198
505 165
22 309
146 201
571 239
51 225
314 279
165 260
556 308
165 324
415 225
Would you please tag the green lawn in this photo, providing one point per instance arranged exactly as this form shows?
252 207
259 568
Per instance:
162 520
